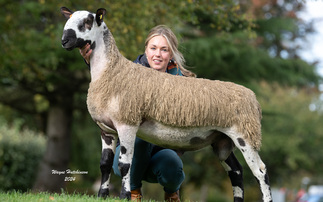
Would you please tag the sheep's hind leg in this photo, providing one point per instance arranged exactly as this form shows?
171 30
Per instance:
223 147
235 172
108 151
256 165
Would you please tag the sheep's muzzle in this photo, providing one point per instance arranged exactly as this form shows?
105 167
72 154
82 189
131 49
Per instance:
70 41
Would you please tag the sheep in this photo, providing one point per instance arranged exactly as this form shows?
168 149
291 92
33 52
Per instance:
126 99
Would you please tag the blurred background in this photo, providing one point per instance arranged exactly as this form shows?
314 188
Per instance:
273 47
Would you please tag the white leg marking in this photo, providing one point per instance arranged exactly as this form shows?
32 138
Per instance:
105 185
237 192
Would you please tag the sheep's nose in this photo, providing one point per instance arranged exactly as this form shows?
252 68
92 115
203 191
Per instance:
68 36
64 42
69 39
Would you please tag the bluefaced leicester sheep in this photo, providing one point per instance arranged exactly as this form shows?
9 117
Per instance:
126 99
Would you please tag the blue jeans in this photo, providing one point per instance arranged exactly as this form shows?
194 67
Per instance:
164 167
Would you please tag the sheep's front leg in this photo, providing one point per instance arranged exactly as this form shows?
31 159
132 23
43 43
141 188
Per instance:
127 136
108 150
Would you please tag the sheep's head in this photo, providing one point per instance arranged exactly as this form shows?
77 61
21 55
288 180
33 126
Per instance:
78 28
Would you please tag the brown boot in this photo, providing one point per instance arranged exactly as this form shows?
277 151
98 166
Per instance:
136 195
173 197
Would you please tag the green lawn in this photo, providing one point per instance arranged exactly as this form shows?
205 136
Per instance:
44 197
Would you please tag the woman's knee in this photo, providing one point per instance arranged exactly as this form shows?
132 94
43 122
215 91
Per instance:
169 159
169 168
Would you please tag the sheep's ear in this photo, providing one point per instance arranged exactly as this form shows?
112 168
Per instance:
100 13
66 12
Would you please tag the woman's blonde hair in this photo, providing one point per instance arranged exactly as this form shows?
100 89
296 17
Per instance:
162 30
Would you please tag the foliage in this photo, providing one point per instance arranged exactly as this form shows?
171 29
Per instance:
294 144
35 70
279 29
234 57
20 153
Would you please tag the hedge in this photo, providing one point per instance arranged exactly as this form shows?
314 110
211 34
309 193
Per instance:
20 154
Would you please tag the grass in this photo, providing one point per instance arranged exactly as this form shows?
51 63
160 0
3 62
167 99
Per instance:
48 197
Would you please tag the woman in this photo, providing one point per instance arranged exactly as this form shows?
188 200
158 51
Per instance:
152 163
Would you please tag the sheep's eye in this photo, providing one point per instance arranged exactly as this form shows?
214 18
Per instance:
86 23
81 27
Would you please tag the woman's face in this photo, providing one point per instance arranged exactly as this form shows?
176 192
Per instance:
158 53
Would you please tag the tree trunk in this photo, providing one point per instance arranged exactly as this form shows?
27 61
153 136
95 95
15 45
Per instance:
52 170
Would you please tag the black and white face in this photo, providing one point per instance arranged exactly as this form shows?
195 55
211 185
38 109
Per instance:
79 28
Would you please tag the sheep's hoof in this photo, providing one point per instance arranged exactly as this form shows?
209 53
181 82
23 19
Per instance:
125 195
103 193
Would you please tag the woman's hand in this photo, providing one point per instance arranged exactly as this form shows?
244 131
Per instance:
86 51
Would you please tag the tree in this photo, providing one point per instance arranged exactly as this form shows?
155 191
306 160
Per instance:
36 71
217 57
279 28
294 140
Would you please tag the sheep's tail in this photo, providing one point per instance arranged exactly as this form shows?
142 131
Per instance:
251 126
